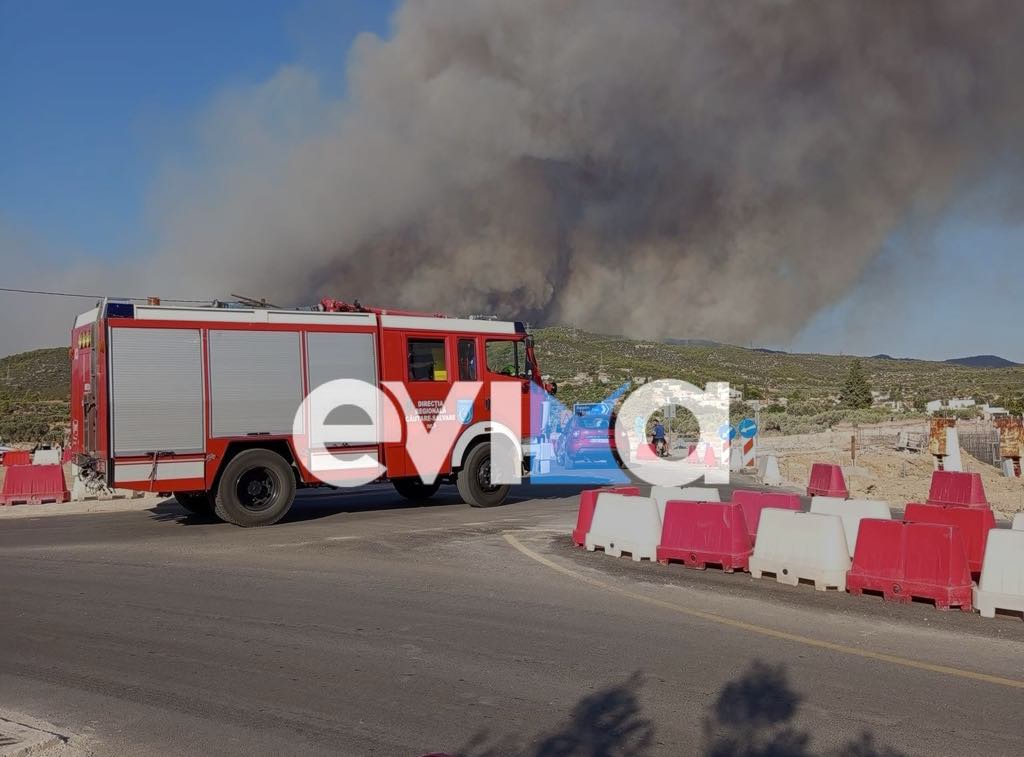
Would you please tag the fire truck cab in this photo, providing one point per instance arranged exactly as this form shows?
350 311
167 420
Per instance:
201 401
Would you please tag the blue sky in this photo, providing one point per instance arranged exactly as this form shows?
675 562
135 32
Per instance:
960 296
97 98
93 94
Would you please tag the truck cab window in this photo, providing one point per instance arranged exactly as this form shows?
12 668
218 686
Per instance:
505 357
427 360
467 360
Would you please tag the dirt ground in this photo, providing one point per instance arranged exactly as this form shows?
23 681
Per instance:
882 472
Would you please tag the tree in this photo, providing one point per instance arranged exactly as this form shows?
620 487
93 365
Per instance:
856 391
1015 404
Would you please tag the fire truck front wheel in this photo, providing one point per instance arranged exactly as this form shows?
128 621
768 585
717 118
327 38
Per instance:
256 489
474 480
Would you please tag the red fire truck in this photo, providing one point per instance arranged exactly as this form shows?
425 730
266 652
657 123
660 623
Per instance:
200 401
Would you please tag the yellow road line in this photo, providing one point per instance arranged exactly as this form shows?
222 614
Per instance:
764 630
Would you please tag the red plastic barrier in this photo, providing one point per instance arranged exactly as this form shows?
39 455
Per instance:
754 502
907 560
709 457
827 481
698 533
17 457
585 516
646 452
974 524
956 488
33 485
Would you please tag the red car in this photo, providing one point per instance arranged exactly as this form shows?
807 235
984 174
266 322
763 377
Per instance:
587 438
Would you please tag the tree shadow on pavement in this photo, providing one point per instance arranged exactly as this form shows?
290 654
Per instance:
604 724
753 717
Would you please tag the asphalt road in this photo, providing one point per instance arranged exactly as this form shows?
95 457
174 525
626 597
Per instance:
364 626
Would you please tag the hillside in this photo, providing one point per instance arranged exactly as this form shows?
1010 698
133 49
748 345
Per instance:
40 374
34 385
34 388
585 362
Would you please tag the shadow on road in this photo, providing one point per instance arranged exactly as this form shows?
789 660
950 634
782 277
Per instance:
313 504
603 724
753 716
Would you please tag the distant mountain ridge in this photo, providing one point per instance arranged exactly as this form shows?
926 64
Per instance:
984 361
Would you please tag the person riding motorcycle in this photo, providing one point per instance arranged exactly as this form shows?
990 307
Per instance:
658 439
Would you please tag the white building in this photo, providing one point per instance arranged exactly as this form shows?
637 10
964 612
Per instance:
954 404
990 412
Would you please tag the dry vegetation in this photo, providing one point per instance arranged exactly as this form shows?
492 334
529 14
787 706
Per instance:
881 472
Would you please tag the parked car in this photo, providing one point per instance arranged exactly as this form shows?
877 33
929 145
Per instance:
587 438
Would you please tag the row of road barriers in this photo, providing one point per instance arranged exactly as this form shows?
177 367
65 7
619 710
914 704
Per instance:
37 478
947 550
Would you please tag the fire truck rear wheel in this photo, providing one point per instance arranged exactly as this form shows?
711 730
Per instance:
198 503
256 488
474 480
415 489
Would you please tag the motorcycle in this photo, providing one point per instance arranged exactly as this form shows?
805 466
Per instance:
661 447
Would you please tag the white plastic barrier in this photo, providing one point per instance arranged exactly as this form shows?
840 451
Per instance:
1002 574
770 473
625 524
735 458
663 494
952 461
797 546
1018 522
46 457
851 511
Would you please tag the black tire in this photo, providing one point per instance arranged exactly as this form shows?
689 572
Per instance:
257 487
474 479
415 489
198 503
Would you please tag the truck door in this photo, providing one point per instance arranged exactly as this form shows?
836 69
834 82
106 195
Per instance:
427 368
506 362
468 350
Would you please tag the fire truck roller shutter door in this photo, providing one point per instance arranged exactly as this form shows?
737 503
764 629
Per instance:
157 390
332 356
255 381
339 355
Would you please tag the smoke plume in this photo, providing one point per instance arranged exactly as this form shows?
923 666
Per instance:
653 168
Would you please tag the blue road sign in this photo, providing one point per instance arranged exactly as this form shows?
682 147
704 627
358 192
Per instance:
748 428
727 432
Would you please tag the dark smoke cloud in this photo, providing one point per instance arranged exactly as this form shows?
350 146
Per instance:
655 168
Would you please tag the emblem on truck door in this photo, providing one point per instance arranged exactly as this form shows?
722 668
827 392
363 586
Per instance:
464 411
